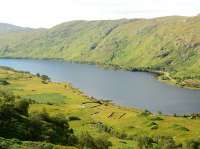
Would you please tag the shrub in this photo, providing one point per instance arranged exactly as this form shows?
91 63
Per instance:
6 97
4 82
145 142
22 107
17 144
15 122
166 142
45 78
193 144
145 113
120 135
159 142
105 128
10 120
153 125
179 127
55 129
157 118
37 74
160 112
87 141
74 118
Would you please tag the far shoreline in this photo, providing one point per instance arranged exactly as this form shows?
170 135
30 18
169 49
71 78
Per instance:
158 73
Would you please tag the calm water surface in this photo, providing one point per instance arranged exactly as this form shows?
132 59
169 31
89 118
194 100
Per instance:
133 89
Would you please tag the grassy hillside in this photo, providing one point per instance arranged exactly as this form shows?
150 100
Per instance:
169 44
96 124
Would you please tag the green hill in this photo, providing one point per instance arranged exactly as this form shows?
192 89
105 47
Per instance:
167 44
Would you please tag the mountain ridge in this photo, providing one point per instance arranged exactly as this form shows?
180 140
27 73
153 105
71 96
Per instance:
8 28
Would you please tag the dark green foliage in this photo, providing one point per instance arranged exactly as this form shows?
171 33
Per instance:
37 74
190 116
12 123
9 144
179 127
17 144
15 122
87 141
166 142
52 129
93 46
45 79
193 144
157 118
74 118
4 82
105 128
159 142
153 125
160 112
108 129
145 142
22 107
145 113
163 53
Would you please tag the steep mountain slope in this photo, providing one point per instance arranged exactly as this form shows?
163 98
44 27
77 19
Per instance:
67 40
171 44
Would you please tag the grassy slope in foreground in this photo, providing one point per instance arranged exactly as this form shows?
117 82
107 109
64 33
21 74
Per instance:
122 126
170 44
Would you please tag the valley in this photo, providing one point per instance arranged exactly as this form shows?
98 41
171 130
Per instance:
166 44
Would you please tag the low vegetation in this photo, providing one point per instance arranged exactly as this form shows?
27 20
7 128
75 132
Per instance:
18 144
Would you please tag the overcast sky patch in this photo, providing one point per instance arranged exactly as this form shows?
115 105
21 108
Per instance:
47 13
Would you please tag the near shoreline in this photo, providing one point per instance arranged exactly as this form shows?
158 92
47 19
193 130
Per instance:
119 124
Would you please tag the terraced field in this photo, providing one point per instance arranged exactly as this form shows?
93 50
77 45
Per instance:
124 127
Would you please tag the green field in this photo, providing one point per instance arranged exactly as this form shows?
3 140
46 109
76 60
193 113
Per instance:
124 128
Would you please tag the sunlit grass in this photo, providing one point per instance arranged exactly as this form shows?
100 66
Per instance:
64 99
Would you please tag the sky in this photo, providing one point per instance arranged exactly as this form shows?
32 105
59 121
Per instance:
47 13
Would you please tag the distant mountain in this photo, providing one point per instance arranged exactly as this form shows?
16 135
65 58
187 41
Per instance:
169 43
7 28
